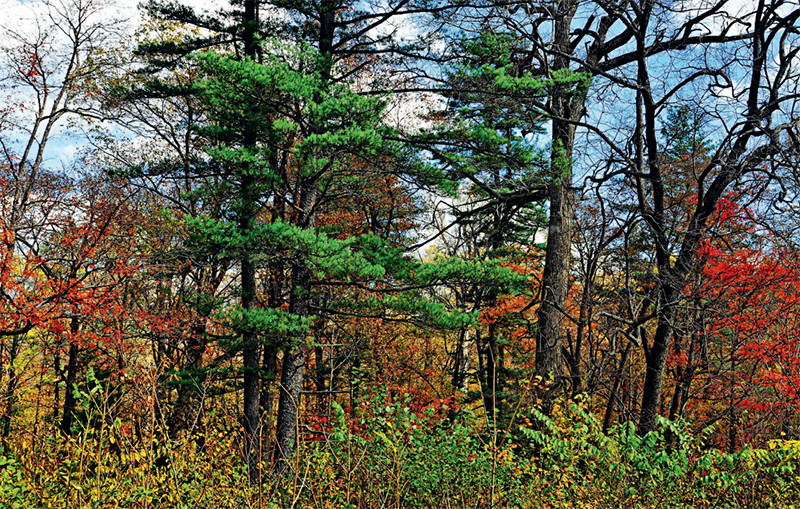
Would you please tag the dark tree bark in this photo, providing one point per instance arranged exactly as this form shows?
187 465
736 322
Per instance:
72 374
250 350
612 398
11 385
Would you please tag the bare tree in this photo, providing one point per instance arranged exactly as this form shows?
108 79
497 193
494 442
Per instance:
741 66
48 69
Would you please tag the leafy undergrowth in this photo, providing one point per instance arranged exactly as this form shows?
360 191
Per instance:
389 456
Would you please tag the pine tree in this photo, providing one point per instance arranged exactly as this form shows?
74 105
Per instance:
285 126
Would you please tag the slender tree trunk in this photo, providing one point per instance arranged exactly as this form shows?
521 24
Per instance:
72 374
733 424
319 377
252 424
269 368
686 375
461 364
11 386
269 362
355 380
584 329
57 389
490 380
612 398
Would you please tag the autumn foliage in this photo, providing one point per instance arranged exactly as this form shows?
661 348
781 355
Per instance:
306 259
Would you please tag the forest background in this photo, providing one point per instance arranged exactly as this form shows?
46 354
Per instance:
403 253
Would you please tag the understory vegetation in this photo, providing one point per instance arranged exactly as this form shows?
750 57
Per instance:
386 455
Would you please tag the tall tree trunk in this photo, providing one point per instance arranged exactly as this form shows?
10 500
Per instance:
11 387
186 407
294 357
612 398
555 274
72 374
461 361
250 357
252 425
656 361
490 375
292 374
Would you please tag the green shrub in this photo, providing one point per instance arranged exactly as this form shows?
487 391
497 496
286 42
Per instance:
390 456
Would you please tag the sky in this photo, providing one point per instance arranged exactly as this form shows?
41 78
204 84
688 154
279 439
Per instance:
28 19
24 17
31 20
